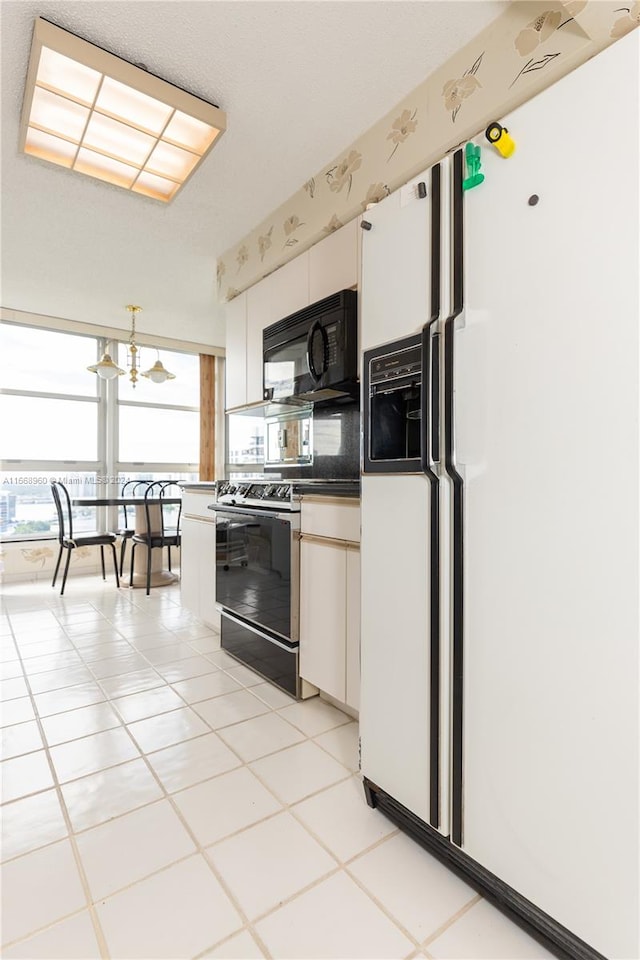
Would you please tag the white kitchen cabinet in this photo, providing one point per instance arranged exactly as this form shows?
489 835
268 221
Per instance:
323 615
398 249
283 292
261 311
291 287
189 586
333 262
330 598
198 558
352 654
236 355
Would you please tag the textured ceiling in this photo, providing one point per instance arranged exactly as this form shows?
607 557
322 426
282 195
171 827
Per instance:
299 81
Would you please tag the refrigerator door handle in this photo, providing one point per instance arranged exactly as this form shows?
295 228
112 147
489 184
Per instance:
429 433
457 505
430 397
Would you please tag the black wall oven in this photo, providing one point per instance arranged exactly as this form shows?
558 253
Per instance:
257 587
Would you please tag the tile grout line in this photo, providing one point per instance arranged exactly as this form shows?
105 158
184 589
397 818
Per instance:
248 924
285 807
67 820
450 922
199 849
341 866
197 783
97 928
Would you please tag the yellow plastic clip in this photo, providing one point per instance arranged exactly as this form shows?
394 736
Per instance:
499 137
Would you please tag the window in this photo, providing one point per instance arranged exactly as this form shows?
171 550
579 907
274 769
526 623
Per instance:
159 423
53 427
245 444
61 422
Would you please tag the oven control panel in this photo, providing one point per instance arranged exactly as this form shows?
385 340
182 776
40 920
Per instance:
259 493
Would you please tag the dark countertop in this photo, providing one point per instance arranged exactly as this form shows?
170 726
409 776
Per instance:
196 485
327 488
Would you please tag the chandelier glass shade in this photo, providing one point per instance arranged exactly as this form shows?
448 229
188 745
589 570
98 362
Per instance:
106 368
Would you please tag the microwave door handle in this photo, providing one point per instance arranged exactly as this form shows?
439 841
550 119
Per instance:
316 325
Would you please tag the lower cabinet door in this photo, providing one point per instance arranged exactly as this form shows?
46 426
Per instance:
207 574
323 615
198 570
189 564
352 698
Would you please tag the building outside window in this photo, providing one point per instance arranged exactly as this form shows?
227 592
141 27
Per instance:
245 445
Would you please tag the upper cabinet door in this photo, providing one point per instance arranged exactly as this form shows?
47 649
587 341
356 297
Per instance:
291 287
333 263
236 358
394 299
260 313
281 293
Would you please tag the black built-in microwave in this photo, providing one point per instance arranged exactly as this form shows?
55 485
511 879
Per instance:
313 354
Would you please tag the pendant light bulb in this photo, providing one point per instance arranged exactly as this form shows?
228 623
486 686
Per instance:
157 373
106 368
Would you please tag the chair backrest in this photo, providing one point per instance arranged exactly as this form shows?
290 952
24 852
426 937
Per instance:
63 509
158 491
134 484
172 493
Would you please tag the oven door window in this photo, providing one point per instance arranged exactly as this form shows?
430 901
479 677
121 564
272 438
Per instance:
253 569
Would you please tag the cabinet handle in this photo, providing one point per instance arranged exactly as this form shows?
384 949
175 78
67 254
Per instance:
330 541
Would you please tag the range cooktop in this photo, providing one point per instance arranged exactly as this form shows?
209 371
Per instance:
257 493
273 492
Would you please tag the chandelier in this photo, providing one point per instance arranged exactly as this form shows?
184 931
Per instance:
108 370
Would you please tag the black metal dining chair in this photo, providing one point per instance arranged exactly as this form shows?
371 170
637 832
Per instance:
69 542
126 532
168 535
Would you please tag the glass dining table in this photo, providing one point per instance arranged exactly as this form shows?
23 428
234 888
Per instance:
160 576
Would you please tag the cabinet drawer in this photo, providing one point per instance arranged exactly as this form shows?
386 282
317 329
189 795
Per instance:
195 504
332 517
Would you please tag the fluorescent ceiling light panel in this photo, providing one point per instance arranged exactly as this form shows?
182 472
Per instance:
92 112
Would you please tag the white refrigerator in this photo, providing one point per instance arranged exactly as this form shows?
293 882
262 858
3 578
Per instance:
500 574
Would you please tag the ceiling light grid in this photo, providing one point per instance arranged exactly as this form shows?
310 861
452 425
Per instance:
90 111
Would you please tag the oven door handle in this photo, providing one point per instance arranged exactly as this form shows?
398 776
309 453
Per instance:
253 513
247 626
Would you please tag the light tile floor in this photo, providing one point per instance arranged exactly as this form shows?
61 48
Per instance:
161 801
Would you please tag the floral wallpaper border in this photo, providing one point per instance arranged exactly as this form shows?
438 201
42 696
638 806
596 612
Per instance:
531 45
36 559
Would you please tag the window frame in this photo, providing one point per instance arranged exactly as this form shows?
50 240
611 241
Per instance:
107 465
58 467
